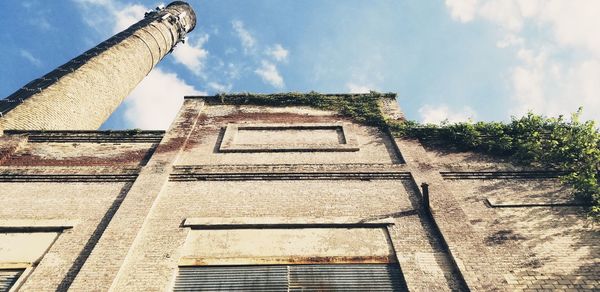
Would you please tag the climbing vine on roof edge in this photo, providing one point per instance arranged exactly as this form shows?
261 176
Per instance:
532 140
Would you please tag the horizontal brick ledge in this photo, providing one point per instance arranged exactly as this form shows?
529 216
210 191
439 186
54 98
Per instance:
466 175
90 136
22 177
338 167
512 204
283 222
289 176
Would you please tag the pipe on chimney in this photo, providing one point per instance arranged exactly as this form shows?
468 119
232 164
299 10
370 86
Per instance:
83 93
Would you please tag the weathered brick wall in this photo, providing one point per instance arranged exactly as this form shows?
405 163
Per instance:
74 154
508 227
108 256
78 178
200 149
84 204
152 260
492 225
73 149
548 245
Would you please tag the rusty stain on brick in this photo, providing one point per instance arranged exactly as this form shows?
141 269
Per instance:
291 260
9 145
183 125
130 158
277 118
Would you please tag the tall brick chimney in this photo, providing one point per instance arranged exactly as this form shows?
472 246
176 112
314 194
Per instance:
81 94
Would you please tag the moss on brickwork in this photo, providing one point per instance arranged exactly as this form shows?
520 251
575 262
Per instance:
363 108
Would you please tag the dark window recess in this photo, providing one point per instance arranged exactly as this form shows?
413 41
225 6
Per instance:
355 277
8 278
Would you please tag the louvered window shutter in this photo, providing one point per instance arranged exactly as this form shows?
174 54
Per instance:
8 278
338 277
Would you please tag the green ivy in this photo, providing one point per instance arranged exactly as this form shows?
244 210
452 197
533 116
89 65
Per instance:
532 140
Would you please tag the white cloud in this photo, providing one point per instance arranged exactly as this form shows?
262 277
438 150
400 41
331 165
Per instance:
248 41
530 8
128 15
105 14
191 55
506 13
509 41
29 57
357 88
265 63
462 10
37 15
552 88
574 23
437 114
156 100
278 53
218 87
269 73
528 93
543 79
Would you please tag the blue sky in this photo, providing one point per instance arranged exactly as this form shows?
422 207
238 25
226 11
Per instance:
452 59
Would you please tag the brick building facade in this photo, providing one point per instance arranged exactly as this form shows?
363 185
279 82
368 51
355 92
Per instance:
248 196
264 187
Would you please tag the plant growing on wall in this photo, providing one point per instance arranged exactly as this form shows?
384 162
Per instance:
532 140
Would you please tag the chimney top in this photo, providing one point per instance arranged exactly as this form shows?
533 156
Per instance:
188 8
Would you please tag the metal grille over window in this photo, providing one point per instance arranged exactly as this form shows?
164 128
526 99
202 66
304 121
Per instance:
355 277
8 278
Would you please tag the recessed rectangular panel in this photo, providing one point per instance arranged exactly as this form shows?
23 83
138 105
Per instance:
290 136
282 245
24 247
287 138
